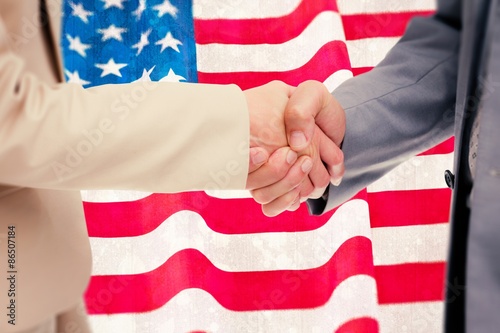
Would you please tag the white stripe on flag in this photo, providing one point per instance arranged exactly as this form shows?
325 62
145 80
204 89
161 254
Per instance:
368 52
194 310
422 317
221 58
334 80
229 194
407 244
240 9
420 172
348 7
263 251
113 195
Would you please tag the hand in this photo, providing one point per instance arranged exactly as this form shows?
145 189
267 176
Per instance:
282 164
312 107
266 108
310 113
268 138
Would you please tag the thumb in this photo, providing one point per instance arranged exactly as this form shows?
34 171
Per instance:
304 105
312 104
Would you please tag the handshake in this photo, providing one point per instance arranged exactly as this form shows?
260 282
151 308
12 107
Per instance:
295 138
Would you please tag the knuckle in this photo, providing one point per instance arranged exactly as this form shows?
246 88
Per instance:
296 112
276 169
278 172
260 196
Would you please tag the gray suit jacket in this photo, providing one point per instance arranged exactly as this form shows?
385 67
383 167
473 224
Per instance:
425 90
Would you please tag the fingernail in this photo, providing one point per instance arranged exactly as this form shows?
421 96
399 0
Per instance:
297 139
291 157
258 157
306 166
337 181
336 175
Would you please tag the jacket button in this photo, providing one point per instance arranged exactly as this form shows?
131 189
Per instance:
449 178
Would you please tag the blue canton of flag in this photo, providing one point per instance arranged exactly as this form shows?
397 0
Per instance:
119 41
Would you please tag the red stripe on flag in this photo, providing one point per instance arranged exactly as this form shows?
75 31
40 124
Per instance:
415 282
330 58
134 218
361 26
445 147
273 30
284 289
359 325
404 208
360 70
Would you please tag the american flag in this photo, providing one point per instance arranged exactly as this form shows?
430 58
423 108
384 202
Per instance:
210 261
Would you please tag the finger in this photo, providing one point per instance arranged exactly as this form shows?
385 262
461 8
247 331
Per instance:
333 157
319 178
337 171
287 201
295 176
273 170
305 103
306 188
258 156
295 205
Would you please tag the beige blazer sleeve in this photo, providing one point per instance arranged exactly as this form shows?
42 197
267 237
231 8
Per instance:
55 138
159 137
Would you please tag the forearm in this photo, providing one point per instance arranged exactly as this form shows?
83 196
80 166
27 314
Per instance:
402 107
158 137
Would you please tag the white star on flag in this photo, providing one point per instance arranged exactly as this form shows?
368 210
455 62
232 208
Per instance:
142 42
75 78
140 9
113 3
172 77
145 75
112 32
111 68
75 44
169 41
79 11
166 8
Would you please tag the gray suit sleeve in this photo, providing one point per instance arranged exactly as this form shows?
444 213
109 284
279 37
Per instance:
402 107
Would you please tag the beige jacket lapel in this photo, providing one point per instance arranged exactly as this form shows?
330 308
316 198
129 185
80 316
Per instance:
54 9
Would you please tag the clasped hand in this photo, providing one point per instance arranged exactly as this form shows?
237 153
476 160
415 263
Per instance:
295 135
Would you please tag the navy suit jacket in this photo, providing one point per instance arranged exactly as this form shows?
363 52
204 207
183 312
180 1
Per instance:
427 88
